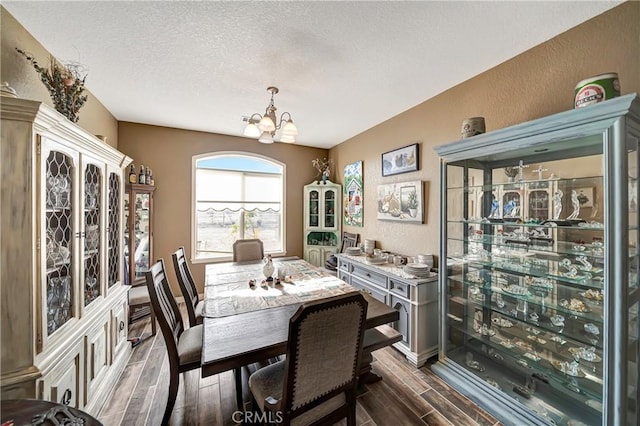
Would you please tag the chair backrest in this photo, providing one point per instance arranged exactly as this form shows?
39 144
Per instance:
166 310
187 285
349 240
246 250
323 352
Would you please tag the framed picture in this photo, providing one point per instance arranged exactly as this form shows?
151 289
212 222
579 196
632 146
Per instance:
402 201
353 200
401 160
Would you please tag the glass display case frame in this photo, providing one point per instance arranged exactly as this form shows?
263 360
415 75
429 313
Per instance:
138 232
539 315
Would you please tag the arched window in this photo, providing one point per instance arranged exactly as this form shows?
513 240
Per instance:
236 196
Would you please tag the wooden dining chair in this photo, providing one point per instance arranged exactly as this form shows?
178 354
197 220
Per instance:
188 287
317 382
184 347
246 250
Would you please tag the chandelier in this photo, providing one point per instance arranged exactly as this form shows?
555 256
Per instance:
264 127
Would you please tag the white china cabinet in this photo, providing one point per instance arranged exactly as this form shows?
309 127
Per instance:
64 305
322 221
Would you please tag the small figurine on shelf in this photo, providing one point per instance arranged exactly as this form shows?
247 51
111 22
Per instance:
557 204
268 268
575 202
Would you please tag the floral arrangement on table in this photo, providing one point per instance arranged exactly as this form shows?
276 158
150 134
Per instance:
64 82
324 169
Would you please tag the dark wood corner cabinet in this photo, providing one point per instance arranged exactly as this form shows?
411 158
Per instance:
138 232
541 291
138 240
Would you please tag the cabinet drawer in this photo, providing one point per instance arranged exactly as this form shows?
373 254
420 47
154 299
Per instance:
63 384
400 288
363 285
97 352
373 277
403 325
344 266
118 329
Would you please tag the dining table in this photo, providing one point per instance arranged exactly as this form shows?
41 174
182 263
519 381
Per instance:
246 317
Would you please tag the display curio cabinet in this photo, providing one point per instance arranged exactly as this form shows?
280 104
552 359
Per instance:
138 233
64 303
322 221
539 282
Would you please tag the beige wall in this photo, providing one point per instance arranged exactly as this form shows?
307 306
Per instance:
169 152
534 84
20 75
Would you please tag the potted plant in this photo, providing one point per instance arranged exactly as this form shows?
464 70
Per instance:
412 204
64 83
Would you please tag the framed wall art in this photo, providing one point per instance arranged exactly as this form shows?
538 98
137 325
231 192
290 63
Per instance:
353 201
401 160
402 201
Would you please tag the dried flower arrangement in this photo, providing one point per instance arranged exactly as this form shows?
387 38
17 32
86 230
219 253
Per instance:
64 83
323 167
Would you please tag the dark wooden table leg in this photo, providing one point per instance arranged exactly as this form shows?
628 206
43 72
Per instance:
238 376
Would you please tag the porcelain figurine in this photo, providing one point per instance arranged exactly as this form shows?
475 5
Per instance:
268 268
575 202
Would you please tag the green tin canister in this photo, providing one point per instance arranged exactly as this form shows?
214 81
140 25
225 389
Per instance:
596 89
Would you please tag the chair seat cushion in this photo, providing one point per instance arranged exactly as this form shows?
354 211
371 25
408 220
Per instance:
139 295
198 310
190 345
268 381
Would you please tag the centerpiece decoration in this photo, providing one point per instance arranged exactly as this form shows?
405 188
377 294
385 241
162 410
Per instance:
324 169
65 84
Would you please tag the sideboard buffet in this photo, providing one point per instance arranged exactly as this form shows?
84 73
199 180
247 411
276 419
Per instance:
64 304
416 299
539 318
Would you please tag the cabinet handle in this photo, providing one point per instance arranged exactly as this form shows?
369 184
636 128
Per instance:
368 275
121 326
400 288
66 397
77 235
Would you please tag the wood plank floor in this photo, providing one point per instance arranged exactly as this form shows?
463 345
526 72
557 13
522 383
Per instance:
405 396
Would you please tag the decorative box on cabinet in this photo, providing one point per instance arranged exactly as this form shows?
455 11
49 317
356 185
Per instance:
61 259
416 300
540 317
322 221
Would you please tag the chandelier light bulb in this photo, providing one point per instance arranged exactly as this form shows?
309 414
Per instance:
252 131
267 124
266 137
287 138
290 128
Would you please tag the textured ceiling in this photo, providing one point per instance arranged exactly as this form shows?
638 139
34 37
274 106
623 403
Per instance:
342 67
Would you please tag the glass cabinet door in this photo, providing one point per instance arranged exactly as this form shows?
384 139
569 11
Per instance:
59 185
93 177
141 232
113 229
314 209
329 210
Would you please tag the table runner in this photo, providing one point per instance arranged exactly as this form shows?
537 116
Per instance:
227 290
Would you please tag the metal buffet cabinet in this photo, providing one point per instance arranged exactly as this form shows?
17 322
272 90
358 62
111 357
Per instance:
539 318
